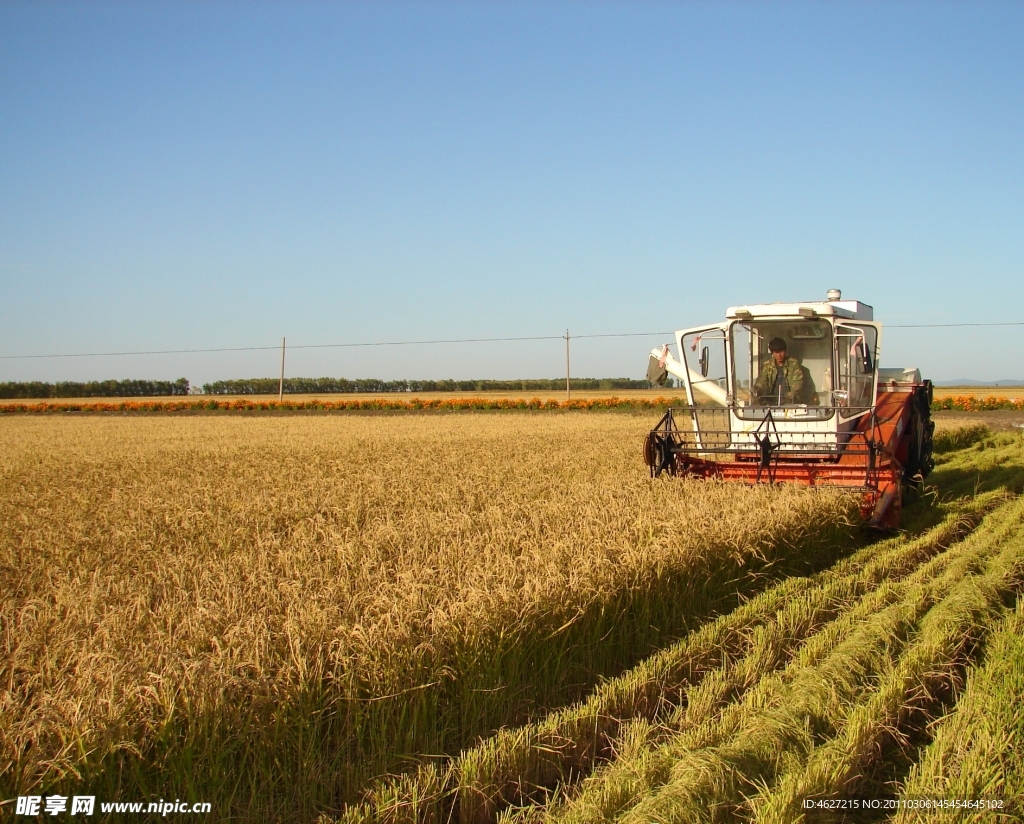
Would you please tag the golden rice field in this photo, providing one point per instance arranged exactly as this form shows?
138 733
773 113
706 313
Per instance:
489 617
266 613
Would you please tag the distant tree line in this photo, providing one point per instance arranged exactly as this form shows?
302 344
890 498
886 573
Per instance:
93 389
316 386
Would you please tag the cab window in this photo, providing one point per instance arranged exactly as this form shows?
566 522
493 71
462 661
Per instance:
809 342
856 353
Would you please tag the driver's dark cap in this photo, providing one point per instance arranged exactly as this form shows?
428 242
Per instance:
776 345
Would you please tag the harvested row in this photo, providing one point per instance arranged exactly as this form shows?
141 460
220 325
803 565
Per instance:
513 765
951 439
267 612
974 459
977 753
737 730
930 667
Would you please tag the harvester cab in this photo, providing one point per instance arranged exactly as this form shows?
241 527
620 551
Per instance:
793 393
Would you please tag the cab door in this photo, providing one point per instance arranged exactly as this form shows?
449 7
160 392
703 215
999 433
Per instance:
857 346
705 354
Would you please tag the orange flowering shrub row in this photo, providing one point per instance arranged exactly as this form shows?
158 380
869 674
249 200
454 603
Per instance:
974 403
964 403
366 404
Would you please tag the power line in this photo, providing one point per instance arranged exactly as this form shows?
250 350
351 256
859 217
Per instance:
328 346
265 348
431 342
153 352
944 325
627 335
424 342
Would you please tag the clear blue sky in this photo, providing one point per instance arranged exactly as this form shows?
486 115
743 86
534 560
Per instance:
190 175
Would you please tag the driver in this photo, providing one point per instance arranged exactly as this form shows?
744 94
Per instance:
783 380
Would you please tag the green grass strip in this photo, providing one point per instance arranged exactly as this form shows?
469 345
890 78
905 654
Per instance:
951 440
992 462
626 781
947 631
780 725
977 753
839 658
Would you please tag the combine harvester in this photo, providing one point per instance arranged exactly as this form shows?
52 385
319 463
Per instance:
792 393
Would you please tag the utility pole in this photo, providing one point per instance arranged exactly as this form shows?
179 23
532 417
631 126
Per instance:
567 364
280 385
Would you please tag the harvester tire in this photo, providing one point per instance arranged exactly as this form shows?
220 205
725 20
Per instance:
920 434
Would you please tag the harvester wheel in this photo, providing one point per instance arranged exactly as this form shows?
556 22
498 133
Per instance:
927 430
922 427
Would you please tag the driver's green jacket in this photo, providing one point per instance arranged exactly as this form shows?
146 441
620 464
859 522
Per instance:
801 388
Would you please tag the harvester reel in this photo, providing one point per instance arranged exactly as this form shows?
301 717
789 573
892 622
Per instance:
767 438
661 445
659 453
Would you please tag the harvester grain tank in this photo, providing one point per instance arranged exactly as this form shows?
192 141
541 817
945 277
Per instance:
820 413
